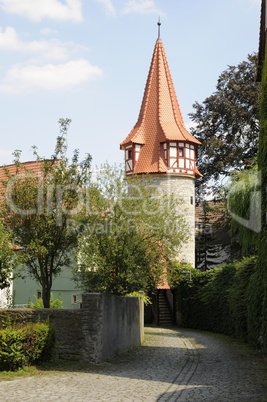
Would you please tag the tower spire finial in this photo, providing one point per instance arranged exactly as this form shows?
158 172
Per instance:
159 24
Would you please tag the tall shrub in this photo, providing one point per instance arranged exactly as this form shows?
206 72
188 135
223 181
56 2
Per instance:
214 296
223 299
239 300
257 292
261 275
25 345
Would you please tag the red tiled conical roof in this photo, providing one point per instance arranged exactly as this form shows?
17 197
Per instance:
160 118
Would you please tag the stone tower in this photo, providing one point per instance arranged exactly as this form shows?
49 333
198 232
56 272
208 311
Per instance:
159 144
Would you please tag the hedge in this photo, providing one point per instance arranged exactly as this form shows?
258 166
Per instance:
227 300
25 345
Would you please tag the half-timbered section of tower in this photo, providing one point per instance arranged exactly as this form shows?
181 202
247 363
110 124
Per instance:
159 143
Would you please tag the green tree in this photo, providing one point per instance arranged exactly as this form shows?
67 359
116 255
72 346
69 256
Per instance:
131 235
38 209
227 125
6 257
258 306
243 202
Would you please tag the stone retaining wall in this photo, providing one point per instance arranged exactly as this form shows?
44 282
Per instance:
106 325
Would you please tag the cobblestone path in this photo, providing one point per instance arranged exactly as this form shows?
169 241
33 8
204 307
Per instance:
173 365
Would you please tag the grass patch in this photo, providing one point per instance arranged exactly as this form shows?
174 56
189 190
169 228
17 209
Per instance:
22 372
50 368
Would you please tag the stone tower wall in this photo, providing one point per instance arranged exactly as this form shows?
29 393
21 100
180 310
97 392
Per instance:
184 188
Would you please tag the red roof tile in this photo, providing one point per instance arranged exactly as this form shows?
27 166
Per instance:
33 167
160 118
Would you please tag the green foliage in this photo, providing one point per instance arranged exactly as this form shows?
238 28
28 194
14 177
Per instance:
244 204
130 234
6 257
261 271
146 299
227 300
11 355
25 345
226 123
255 295
187 281
214 297
54 303
239 297
39 207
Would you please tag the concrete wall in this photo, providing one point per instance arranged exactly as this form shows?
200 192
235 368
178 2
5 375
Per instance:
116 324
105 326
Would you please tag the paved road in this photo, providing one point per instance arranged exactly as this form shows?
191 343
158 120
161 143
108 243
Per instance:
174 365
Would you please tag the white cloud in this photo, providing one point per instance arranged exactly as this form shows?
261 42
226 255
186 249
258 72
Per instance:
108 6
53 50
50 78
48 31
36 10
141 7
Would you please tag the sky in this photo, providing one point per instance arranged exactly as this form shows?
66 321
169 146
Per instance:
88 60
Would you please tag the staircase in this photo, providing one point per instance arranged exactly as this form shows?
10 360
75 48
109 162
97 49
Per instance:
164 310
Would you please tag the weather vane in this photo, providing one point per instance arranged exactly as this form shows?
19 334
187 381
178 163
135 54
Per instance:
159 24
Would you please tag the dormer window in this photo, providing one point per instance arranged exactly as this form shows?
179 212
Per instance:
179 157
131 157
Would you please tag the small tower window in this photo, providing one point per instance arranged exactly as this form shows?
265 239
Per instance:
192 200
181 152
165 152
129 159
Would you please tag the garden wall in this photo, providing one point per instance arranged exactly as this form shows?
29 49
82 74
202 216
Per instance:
106 325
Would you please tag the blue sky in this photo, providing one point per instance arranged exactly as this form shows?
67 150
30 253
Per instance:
88 61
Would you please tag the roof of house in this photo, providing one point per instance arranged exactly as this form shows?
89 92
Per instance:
160 117
262 39
33 167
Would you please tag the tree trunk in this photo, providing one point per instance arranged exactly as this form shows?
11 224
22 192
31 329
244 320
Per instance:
46 296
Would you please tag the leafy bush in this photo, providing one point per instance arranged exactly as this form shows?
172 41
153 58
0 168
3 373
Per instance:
238 297
54 303
214 296
146 299
11 355
25 345
255 308
227 300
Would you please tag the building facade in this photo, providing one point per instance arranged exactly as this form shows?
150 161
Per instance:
23 288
